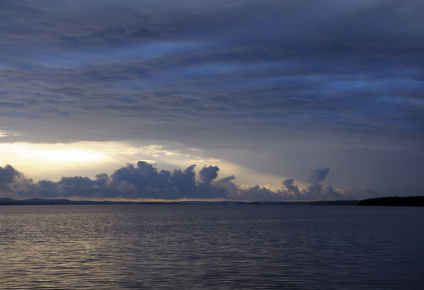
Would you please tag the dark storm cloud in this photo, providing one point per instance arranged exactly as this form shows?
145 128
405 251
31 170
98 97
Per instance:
318 175
145 181
221 67
7 175
316 191
135 182
208 174
291 188
14 183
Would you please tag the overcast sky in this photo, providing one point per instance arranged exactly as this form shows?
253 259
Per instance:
270 99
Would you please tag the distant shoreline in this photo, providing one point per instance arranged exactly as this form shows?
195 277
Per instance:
417 201
40 201
394 201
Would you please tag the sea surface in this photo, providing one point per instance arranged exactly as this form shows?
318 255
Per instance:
211 247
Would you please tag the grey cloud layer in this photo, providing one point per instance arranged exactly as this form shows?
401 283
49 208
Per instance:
246 75
145 181
160 69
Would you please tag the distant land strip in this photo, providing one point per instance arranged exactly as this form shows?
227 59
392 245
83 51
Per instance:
394 201
42 201
381 201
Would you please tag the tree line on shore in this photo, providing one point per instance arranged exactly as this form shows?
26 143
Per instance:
394 201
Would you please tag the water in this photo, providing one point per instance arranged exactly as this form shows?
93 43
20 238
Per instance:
211 247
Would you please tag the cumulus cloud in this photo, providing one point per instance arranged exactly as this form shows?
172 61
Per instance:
291 188
318 175
316 191
145 181
7 176
208 174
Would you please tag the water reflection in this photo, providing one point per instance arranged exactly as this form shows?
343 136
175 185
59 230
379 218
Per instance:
218 247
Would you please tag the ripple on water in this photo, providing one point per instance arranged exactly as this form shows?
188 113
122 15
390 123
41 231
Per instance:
214 247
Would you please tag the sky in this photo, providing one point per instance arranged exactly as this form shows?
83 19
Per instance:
234 99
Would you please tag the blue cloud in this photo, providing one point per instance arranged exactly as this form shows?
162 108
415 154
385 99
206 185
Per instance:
145 181
234 74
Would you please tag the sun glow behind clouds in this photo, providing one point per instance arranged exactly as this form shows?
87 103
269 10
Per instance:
87 159
73 155
47 153
52 161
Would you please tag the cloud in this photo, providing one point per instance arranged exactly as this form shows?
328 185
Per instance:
316 191
145 181
14 184
291 188
243 74
7 176
278 64
208 174
318 175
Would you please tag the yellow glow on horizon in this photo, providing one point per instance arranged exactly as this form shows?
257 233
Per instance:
51 153
72 155
53 161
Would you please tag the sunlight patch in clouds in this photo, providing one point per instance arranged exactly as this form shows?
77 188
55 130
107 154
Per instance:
73 155
54 161
52 153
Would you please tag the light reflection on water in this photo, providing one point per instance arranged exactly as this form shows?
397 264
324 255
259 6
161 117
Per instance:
212 247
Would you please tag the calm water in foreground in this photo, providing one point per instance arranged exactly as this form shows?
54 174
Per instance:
211 247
